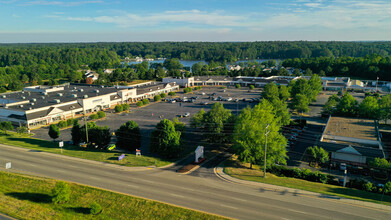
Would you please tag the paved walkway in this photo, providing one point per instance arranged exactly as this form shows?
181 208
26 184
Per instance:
219 171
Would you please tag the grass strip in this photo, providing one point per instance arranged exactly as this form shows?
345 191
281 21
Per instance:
241 171
26 141
26 197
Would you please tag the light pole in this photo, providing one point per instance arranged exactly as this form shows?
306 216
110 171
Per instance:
377 78
264 164
85 123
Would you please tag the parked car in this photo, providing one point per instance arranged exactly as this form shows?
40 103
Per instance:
229 99
172 101
203 93
204 103
187 114
236 100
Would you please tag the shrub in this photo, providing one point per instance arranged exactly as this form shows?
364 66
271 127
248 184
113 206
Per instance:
95 208
163 95
70 121
187 90
21 130
367 186
125 107
61 193
94 116
251 87
387 187
197 88
223 87
145 101
171 93
237 86
139 103
62 124
157 98
101 114
118 108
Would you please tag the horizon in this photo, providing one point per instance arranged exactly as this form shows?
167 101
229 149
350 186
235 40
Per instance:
93 21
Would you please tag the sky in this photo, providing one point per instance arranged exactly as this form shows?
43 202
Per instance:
24 21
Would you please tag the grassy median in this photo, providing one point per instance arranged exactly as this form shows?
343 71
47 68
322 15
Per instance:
242 171
26 197
25 141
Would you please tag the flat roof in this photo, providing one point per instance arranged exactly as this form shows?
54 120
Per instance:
351 127
47 100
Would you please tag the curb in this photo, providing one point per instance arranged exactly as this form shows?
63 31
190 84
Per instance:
219 172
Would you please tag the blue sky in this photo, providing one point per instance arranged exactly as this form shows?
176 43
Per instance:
193 20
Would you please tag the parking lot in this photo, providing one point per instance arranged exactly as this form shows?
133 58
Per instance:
148 116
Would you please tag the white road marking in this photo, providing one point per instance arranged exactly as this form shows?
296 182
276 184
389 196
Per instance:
133 186
243 200
148 181
227 206
177 195
95 178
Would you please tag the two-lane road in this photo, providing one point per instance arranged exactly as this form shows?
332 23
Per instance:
207 194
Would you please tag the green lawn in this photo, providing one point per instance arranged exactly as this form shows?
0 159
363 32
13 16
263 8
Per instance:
241 171
26 197
26 141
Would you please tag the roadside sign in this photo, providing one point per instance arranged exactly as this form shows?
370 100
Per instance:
8 165
121 157
61 144
138 152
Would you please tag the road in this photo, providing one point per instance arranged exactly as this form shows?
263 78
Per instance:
201 192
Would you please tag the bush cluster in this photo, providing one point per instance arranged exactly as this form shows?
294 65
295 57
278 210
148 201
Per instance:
197 88
361 184
120 108
69 122
237 86
171 93
251 86
139 103
187 90
304 174
163 95
145 101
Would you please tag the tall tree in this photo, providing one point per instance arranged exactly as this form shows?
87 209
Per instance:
284 93
214 123
369 107
318 155
76 132
165 140
129 136
271 92
249 135
196 121
347 106
300 103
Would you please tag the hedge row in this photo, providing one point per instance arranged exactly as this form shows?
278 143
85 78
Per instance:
187 90
69 122
98 115
143 102
120 108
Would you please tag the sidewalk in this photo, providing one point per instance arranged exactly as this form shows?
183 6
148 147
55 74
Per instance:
219 171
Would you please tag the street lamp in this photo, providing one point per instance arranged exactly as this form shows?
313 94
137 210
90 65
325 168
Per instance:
377 78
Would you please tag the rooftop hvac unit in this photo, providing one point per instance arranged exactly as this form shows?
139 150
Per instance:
81 90
85 96
56 101
74 95
33 103
21 106
33 100
74 88
30 108
23 97
59 94
42 97
44 93
102 86
96 90
3 96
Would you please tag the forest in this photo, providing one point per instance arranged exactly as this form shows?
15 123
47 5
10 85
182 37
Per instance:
48 63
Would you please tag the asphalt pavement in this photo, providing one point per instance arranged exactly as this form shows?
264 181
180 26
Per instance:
207 193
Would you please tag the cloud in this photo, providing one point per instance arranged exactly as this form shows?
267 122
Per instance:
196 17
60 3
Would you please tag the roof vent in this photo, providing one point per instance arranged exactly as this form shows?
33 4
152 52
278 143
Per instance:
81 90
74 88
30 108
42 97
23 97
102 86
85 96
21 106
3 96
96 90
56 101
44 93
33 103
74 95
33 100
59 94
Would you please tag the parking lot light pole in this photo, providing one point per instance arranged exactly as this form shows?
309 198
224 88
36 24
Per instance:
264 164
85 121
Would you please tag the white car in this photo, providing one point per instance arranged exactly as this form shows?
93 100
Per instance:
187 114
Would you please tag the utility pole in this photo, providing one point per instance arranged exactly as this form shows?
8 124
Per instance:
85 123
264 165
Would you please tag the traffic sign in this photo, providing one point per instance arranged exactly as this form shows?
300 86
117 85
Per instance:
61 144
8 165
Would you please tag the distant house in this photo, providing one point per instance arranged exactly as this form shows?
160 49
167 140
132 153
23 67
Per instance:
356 84
108 71
234 67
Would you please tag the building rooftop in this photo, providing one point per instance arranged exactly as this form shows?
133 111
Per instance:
33 99
352 127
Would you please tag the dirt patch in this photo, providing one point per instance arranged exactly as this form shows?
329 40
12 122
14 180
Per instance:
186 168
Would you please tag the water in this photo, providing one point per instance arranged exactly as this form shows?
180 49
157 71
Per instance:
190 63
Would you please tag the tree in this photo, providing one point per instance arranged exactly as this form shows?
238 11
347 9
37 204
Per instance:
6 125
330 105
61 193
300 103
347 106
21 130
76 133
145 101
165 139
301 86
237 86
99 135
157 98
101 114
385 108
249 135
54 131
284 93
380 163
369 108
318 155
129 136
315 84
179 126
139 103
118 108
282 115
271 92
95 208
251 87
214 123
196 121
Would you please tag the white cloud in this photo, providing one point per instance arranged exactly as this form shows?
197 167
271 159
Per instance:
60 3
172 17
